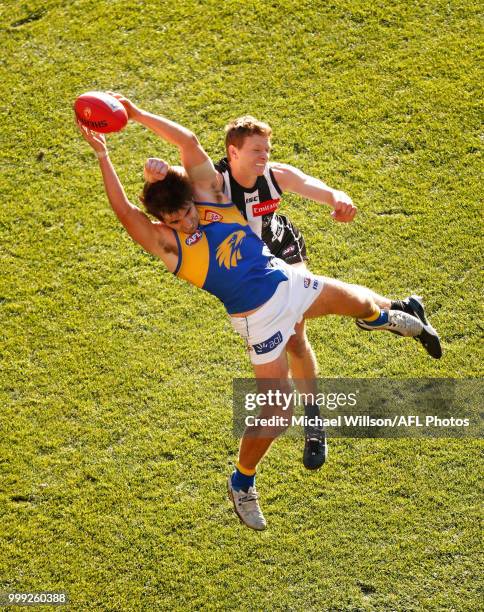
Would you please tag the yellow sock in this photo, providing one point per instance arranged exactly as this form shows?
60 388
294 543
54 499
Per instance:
374 316
244 470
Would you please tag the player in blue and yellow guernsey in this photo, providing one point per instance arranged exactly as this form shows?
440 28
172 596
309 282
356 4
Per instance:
202 238
226 258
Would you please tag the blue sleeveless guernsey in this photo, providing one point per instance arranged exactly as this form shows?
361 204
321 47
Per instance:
226 258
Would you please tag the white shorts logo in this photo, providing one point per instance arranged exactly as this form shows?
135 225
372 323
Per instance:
268 345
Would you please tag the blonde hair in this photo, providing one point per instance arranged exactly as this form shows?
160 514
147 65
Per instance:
239 129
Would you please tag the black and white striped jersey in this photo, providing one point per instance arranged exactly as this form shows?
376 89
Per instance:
258 205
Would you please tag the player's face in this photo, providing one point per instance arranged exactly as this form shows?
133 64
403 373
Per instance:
253 155
183 220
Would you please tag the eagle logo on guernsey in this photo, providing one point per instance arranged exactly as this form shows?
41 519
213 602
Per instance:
228 252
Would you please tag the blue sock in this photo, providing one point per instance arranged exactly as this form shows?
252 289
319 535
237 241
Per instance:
241 481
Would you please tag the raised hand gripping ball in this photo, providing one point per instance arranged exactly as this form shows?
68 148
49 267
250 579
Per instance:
100 112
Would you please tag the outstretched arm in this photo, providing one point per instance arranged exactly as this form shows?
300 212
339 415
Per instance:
195 160
292 179
137 224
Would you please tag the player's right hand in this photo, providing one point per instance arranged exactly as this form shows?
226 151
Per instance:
95 139
155 170
344 210
131 109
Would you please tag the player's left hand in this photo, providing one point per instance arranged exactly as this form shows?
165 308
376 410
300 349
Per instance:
132 110
155 170
343 208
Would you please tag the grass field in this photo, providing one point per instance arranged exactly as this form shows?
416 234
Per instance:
116 378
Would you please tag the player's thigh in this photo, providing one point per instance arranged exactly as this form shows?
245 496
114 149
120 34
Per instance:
273 377
276 370
338 298
297 343
299 328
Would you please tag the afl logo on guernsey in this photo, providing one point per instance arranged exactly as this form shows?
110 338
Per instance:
211 215
194 238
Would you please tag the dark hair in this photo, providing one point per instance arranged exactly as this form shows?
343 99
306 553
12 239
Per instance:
167 196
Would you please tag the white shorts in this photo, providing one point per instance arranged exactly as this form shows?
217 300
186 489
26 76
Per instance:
268 329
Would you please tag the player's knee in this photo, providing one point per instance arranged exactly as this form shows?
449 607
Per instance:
298 345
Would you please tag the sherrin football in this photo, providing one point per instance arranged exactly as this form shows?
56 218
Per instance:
100 112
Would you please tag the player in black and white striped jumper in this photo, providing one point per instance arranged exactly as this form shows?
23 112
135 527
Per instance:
255 185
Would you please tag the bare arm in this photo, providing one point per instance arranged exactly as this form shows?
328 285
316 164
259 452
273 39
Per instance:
195 160
138 225
292 179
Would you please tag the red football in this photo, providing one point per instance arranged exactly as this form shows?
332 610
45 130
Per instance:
100 112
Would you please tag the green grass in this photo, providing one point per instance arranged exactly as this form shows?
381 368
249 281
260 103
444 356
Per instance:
116 378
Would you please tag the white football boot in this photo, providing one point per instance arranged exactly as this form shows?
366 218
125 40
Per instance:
398 322
246 506
429 338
